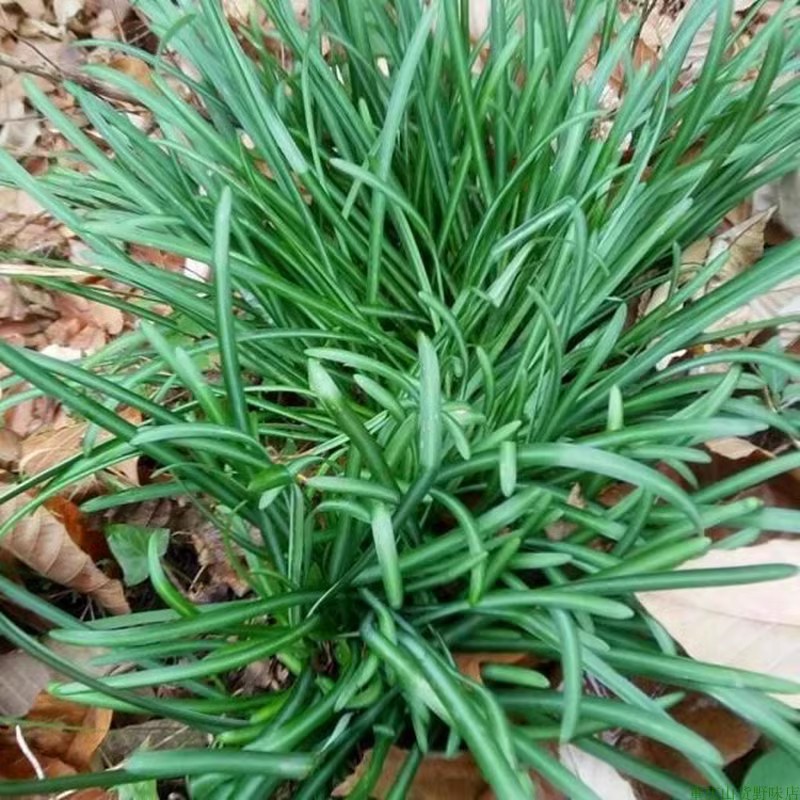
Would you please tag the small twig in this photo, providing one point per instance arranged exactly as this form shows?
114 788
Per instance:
28 753
58 76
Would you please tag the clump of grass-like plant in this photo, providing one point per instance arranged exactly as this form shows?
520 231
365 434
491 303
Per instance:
416 339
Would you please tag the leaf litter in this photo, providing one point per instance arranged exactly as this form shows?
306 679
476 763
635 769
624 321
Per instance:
69 328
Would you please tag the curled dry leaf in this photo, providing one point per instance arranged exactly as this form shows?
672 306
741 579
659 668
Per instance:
63 742
605 781
84 728
41 541
218 573
61 737
30 415
754 627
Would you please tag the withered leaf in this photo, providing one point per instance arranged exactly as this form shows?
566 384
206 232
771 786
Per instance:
41 541
754 627
438 778
605 781
730 735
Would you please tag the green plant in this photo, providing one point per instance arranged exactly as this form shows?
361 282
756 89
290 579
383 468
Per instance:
415 342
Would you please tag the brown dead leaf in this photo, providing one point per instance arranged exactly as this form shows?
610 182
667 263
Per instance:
21 129
64 743
30 415
52 445
730 456
470 664
83 731
57 737
22 678
560 529
754 627
133 67
438 778
88 537
19 301
154 734
729 734
41 541
65 10
158 258
735 449
605 781
84 324
784 196
744 244
9 449
14 202
217 574
783 300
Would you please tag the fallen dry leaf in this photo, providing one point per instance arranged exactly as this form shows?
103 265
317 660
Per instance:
438 778
85 325
744 244
133 67
65 10
729 734
9 449
84 729
41 541
51 445
63 743
217 573
560 529
154 734
784 196
22 678
605 781
754 627
735 449
87 536
783 300
30 415
470 664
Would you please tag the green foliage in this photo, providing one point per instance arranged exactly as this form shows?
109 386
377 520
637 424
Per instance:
774 770
419 341
129 545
